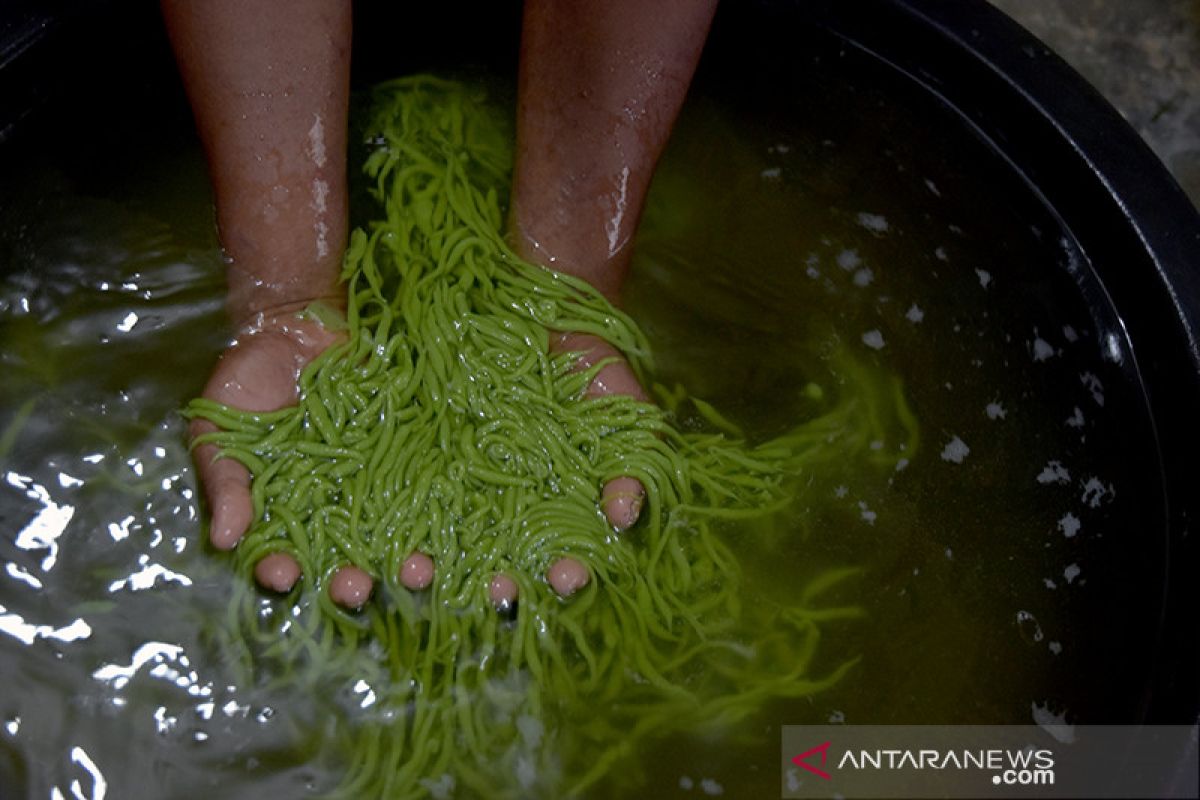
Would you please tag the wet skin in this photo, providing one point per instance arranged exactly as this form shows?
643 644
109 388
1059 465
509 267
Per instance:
269 87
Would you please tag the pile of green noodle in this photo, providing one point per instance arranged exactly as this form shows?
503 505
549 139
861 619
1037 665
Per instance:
442 425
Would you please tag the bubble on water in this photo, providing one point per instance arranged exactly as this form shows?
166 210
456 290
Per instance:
876 223
1054 472
1069 524
1042 350
1093 385
1054 724
955 451
793 779
1095 492
1028 625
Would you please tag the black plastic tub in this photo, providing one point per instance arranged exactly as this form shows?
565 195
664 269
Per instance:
1106 243
1136 230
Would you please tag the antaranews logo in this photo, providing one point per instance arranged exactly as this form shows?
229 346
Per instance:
802 759
1026 767
994 761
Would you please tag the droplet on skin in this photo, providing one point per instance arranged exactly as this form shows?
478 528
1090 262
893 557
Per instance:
503 592
277 572
316 141
417 572
612 228
567 576
351 587
622 500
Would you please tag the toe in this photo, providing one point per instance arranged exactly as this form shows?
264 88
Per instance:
567 576
416 572
503 592
227 487
615 377
622 500
351 587
277 572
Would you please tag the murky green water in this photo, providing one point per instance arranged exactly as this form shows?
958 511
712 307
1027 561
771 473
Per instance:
1004 565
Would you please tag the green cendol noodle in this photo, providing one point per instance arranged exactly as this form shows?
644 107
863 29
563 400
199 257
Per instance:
442 425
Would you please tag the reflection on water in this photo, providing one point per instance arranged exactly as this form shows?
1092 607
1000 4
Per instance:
985 555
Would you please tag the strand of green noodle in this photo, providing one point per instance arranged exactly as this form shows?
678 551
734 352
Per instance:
443 425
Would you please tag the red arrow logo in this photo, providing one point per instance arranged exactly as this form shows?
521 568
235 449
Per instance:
823 749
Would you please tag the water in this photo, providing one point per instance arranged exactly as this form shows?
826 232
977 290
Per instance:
1004 568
